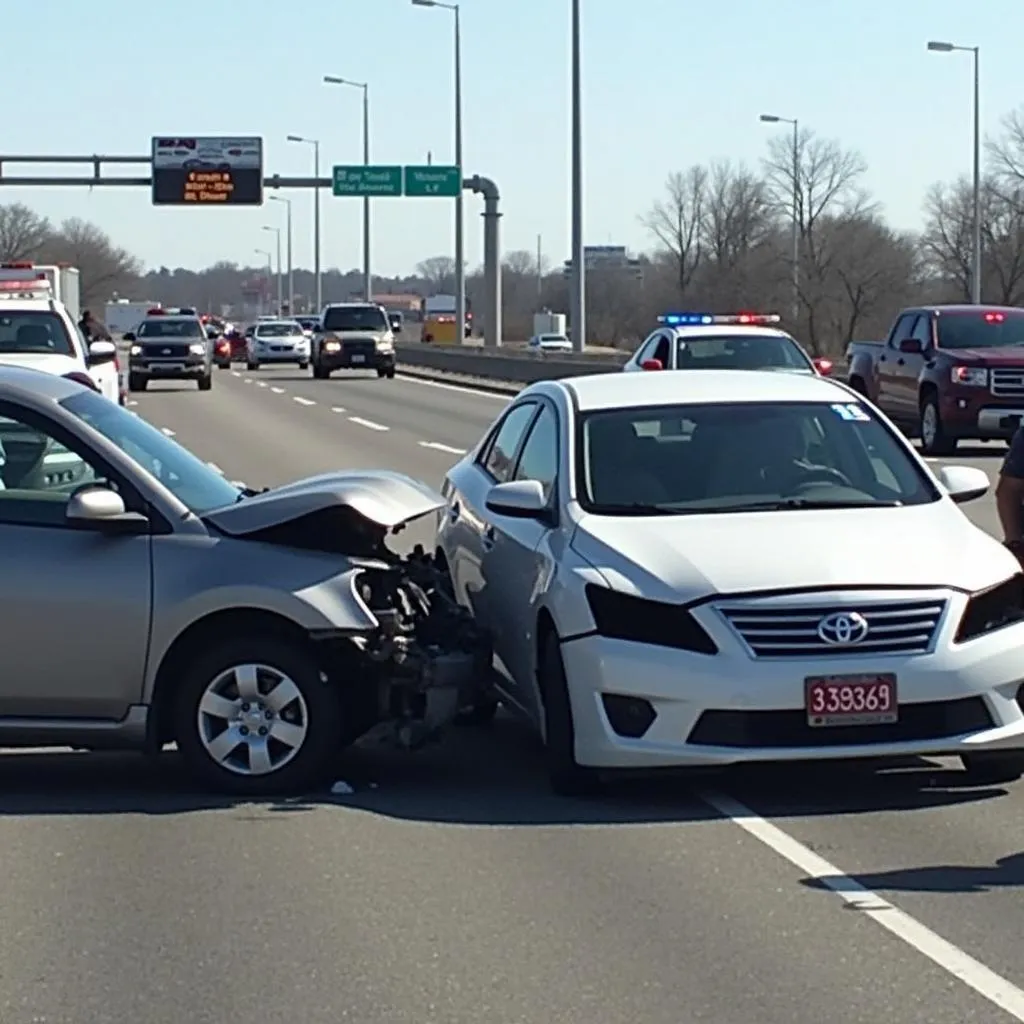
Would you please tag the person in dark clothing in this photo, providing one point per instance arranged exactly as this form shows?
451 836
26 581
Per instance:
1010 496
92 328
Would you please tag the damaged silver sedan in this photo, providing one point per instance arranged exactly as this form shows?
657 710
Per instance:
146 600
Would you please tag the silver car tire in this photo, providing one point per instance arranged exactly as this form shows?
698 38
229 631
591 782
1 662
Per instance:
255 715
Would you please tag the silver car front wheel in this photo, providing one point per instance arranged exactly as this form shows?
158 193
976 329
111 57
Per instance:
252 719
256 715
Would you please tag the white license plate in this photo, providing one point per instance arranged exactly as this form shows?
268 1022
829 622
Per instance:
359 359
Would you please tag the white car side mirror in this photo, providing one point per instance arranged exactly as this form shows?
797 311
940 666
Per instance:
964 483
518 499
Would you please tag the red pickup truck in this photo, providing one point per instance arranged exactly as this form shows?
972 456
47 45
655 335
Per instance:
948 373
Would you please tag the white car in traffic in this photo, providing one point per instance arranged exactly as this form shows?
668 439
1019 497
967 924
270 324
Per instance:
277 341
733 566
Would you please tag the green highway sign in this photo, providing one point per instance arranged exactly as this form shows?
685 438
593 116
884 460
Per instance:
361 180
445 182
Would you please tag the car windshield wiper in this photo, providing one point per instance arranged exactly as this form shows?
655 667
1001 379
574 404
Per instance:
636 509
786 504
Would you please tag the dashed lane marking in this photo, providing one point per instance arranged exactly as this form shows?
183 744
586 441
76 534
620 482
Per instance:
261 383
303 401
132 403
278 391
369 424
247 380
336 408
438 447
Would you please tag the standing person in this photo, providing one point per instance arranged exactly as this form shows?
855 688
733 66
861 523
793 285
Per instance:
1010 496
92 328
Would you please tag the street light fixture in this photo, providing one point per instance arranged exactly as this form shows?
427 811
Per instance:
367 272
315 143
460 252
280 273
775 119
288 232
939 47
270 267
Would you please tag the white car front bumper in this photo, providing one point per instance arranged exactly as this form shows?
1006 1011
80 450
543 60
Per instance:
732 707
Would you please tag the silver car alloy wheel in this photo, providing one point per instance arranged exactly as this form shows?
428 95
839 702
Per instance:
252 720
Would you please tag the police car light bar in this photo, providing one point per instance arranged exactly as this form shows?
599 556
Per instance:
25 289
691 319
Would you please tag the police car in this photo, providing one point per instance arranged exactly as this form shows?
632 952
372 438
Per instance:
733 341
36 331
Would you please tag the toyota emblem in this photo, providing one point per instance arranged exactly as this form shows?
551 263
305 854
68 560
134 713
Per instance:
843 629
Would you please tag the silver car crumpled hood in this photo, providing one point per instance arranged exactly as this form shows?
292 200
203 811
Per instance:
379 496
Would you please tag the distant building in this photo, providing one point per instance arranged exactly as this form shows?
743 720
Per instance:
408 303
609 259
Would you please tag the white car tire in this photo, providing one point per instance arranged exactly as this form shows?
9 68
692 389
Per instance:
309 726
566 776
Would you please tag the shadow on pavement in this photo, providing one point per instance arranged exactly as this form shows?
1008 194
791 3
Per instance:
491 777
945 878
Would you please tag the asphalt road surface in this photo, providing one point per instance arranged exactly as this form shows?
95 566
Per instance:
450 887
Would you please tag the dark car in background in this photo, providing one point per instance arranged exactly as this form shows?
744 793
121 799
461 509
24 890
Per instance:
169 348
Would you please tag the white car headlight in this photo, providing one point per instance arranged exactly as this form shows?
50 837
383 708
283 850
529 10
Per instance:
136 350
197 349
386 343
969 376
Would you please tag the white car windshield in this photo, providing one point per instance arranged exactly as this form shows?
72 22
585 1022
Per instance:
189 479
278 330
741 352
704 459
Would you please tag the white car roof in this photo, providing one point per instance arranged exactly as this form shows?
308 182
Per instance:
626 390
728 331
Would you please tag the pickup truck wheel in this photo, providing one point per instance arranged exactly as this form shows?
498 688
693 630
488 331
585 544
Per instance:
319 373
136 382
206 383
565 775
995 768
934 440
254 716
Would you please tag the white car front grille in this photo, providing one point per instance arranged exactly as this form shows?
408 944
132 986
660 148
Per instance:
771 628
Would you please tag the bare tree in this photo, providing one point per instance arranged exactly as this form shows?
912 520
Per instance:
1007 151
438 272
677 222
23 232
520 262
824 183
104 267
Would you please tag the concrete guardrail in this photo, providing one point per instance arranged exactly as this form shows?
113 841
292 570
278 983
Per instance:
509 367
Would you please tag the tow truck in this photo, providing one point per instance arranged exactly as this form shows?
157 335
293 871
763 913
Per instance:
730 341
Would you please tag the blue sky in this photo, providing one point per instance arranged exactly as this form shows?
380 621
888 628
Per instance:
666 83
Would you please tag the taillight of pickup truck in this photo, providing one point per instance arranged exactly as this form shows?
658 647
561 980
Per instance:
950 373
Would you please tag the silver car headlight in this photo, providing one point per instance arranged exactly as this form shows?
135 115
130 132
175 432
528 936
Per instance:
198 349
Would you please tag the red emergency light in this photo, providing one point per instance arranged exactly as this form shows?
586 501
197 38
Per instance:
155 311
994 318
30 287
20 265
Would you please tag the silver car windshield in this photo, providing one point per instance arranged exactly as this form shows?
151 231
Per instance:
197 486
716 458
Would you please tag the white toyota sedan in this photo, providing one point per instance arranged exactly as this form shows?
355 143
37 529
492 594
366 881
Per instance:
733 566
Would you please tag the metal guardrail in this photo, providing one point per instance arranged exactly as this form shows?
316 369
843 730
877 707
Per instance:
520 368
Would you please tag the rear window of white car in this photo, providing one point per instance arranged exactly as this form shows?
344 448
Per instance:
704 459
741 352
37 332
281 330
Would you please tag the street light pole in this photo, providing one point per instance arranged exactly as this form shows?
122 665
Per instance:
578 281
460 249
270 268
315 143
976 268
795 171
367 265
291 267
280 269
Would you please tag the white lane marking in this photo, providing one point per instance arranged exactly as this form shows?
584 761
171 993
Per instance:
336 408
303 401
165 431
278 391
132 403
369 424
438 447
950 958
247 380
235 373
261 383
465 389
215 468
